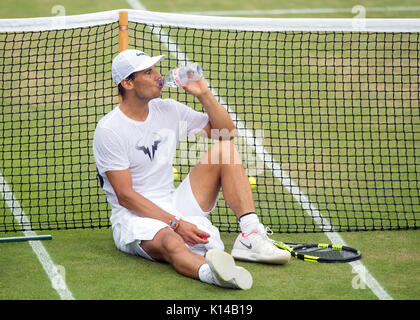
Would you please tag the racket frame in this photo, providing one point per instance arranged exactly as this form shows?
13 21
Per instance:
291 247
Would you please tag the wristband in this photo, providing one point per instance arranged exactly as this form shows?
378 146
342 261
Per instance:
174 223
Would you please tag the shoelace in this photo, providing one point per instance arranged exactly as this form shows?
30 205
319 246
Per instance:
267 232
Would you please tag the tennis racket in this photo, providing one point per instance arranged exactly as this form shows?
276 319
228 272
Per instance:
319 252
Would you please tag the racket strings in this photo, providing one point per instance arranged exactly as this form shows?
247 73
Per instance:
326 253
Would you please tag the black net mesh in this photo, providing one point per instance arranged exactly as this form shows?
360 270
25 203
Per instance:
332 120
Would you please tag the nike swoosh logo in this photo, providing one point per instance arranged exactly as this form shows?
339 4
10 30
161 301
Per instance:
249 246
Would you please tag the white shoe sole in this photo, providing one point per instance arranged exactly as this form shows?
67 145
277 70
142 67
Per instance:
229 275
248 255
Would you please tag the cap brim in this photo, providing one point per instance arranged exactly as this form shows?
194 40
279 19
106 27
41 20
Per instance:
151 62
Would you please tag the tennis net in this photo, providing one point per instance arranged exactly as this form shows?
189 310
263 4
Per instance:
327 113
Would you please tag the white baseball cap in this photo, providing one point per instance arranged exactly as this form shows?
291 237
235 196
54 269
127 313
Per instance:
131 60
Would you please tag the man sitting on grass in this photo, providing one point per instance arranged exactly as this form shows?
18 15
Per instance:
134 146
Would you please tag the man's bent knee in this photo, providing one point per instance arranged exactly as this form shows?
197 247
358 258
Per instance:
164 245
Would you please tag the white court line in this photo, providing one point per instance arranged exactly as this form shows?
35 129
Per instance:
300 11
53 272
278 172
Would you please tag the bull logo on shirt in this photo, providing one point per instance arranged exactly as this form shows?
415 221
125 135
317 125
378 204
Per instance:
146 150
150 151
164 141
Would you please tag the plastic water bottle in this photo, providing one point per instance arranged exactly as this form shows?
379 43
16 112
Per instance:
183 75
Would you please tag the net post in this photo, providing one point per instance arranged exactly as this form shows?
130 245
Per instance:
123 31
122 35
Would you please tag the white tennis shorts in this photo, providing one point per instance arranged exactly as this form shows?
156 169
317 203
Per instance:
129 230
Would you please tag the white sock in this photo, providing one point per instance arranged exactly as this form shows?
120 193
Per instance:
206 275
249 222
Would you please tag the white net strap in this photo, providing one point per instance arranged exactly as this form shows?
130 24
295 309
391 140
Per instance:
211 22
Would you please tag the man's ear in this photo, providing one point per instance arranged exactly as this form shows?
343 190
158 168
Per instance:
127 84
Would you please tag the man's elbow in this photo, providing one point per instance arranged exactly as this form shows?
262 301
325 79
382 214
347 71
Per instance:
124 198
233 133
223 134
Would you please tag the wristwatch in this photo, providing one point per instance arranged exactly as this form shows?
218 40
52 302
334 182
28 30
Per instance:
174 223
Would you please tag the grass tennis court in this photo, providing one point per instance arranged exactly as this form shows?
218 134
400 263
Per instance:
94 269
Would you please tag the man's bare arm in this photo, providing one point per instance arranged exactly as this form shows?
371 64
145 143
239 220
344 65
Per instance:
220 121
127 197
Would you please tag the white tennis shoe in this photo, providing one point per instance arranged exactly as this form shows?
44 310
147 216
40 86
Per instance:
258 247
225 272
